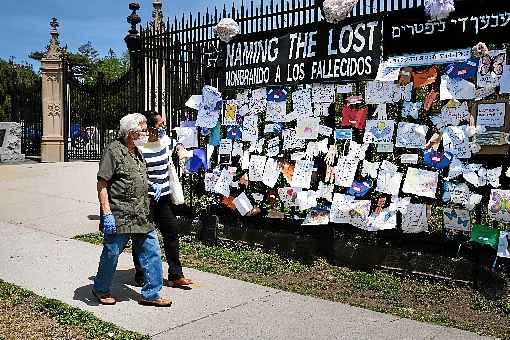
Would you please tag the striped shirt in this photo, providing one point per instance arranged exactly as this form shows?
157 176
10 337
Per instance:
157 157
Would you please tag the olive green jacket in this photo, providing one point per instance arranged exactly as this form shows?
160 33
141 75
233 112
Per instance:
126 175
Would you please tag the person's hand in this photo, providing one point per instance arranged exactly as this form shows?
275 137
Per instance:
331 155
157 191
109 225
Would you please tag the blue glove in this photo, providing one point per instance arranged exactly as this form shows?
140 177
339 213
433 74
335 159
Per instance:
157 191
109 225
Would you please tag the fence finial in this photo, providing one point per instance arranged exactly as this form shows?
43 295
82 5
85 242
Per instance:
133 39
157 16
54 48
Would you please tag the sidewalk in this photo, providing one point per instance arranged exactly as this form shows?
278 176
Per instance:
43 205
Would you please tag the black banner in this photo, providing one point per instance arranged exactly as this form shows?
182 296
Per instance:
409 31
305 54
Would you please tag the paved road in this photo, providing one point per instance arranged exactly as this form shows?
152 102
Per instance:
43 205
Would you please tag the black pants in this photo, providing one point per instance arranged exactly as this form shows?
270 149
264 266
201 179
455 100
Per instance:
167 225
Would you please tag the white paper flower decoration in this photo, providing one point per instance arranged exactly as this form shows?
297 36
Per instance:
337 10
227 29
439 9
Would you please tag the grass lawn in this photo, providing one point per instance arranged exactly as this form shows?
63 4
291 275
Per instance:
440 303
24 315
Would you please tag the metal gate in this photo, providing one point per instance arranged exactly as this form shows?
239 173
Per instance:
26 109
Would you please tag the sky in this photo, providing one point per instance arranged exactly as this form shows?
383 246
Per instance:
102 22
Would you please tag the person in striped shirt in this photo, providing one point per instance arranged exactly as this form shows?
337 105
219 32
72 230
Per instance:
157 153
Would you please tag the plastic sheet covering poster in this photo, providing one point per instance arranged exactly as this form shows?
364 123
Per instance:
379 131
288 195
456 141
456 89
317 216
499 205
456 219
230 113
243 204
380 92
411 136
187 136
308 128
504 244
490 68
389 179
302 174
256 169
210 181
222 185
414 219
410 109
271 172
250 128
345 209
420 182
276 112
451 116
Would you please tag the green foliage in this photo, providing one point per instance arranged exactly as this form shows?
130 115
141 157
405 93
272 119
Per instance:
13 76
385 285
12 295
94 238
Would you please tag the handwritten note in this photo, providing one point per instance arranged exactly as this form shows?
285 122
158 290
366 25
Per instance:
256 169
379 131
302 174
243 204
290 140
491 114
250 128
271 172
421 182
411 136
414 220
276 112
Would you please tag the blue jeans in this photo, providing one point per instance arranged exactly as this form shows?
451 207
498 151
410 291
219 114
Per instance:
146 246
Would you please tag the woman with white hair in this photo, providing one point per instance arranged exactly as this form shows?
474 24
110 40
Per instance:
122 188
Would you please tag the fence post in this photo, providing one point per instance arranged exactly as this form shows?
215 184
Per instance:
52 146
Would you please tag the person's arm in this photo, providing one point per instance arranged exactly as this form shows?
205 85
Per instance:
102 194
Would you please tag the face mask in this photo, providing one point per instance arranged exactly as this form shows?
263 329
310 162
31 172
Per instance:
141 141
161 132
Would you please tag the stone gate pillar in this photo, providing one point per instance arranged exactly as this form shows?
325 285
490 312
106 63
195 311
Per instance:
52 70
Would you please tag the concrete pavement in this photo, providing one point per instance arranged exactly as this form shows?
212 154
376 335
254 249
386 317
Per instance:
43 205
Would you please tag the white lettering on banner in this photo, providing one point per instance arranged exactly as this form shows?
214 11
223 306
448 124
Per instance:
253 52
468 24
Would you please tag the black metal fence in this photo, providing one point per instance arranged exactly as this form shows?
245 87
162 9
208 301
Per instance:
26 109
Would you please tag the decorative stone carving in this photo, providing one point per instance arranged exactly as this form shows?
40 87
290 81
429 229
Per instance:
53 110
157 16
54 49
10 142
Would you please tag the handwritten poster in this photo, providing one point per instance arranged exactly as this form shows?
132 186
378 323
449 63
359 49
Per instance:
187 136
230 113
290 140
410 109
411 136
302 174
504 244
323 93
225 147
250 128
420 182
456 89
271 172
456 141
302 102
222 185
414 220
345 171
273 147
256 169
491 114
389 179
451 115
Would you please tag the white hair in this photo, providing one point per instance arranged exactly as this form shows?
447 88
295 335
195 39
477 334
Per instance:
130 123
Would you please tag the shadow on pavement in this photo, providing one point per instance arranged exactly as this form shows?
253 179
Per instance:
94 217
120 289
